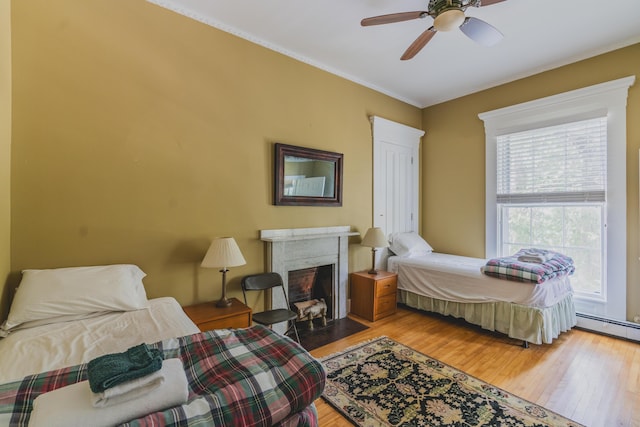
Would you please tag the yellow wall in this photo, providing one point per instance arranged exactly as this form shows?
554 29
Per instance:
139 134
5 149
453 218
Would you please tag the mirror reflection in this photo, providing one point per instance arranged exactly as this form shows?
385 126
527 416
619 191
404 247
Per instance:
307 177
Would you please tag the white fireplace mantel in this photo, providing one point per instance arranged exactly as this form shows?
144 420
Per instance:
298 248
291 234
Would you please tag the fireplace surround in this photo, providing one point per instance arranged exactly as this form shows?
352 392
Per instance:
300 248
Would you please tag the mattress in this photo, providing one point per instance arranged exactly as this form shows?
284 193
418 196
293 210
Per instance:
459 279
48 347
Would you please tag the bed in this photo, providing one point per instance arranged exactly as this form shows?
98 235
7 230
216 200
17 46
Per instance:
61 319
455 286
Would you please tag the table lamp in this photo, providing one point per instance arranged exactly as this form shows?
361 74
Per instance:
374 238
223 252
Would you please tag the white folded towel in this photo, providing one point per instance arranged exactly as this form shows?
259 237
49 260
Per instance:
538 259
536 256
72 405
129 389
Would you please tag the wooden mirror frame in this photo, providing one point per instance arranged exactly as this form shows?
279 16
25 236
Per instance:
280 198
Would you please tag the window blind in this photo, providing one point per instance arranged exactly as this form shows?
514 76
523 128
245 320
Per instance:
556 164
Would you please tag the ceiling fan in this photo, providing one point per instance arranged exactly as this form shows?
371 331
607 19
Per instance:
447 15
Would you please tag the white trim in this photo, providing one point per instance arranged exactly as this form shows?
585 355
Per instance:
608 98
628 330
577 104
405 135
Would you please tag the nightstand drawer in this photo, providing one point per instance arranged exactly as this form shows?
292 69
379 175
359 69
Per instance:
385 306
240 321
208 316
386 286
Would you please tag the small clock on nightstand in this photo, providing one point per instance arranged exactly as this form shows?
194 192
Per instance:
373 296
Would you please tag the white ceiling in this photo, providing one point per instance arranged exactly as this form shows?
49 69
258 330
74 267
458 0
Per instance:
538 35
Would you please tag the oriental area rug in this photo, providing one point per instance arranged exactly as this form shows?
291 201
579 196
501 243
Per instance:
384 383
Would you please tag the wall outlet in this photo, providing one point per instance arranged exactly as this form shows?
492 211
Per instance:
636 318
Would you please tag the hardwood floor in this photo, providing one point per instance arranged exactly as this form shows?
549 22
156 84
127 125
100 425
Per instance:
589 378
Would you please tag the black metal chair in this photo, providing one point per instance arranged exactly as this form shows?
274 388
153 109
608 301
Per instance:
263 282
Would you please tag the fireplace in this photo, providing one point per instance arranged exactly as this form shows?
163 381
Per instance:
315 283
325 248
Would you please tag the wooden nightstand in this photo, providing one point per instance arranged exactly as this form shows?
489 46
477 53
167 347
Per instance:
207 316
373 296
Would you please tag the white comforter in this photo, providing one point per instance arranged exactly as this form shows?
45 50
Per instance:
43 348
459 279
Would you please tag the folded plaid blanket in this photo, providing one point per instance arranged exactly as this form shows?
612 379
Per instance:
511 268
248 377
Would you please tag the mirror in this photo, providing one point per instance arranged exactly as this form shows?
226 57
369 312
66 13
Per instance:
307 177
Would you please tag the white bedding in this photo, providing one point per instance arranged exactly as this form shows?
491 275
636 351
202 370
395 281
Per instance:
43 348
459 279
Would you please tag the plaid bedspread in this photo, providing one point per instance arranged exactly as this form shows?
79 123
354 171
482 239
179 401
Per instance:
243 377
511 268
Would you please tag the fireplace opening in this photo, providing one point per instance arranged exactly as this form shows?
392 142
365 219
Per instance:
307 285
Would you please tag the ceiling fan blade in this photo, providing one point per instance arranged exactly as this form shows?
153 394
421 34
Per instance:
480 32
418 44
393 17
489 2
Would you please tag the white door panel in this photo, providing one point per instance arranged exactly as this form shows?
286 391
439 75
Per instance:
395 178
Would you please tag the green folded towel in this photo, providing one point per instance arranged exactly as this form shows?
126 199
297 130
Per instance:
112 369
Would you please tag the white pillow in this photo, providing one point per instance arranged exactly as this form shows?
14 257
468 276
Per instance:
76 291
408 245
57 319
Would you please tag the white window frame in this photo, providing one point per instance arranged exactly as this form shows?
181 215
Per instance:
608 99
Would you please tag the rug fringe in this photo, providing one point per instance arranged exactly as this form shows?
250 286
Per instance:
353 347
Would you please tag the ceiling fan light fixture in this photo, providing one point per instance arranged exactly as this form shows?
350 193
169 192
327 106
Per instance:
449 20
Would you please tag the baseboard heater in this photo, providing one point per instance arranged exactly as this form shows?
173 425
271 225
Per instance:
618 328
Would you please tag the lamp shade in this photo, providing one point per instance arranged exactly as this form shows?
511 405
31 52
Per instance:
223 252
374 238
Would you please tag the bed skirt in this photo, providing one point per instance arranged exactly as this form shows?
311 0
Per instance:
530 324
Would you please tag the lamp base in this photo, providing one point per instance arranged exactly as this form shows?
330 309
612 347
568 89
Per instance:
373 262
223 303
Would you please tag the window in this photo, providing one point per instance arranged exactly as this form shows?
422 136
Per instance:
551 193
556 178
